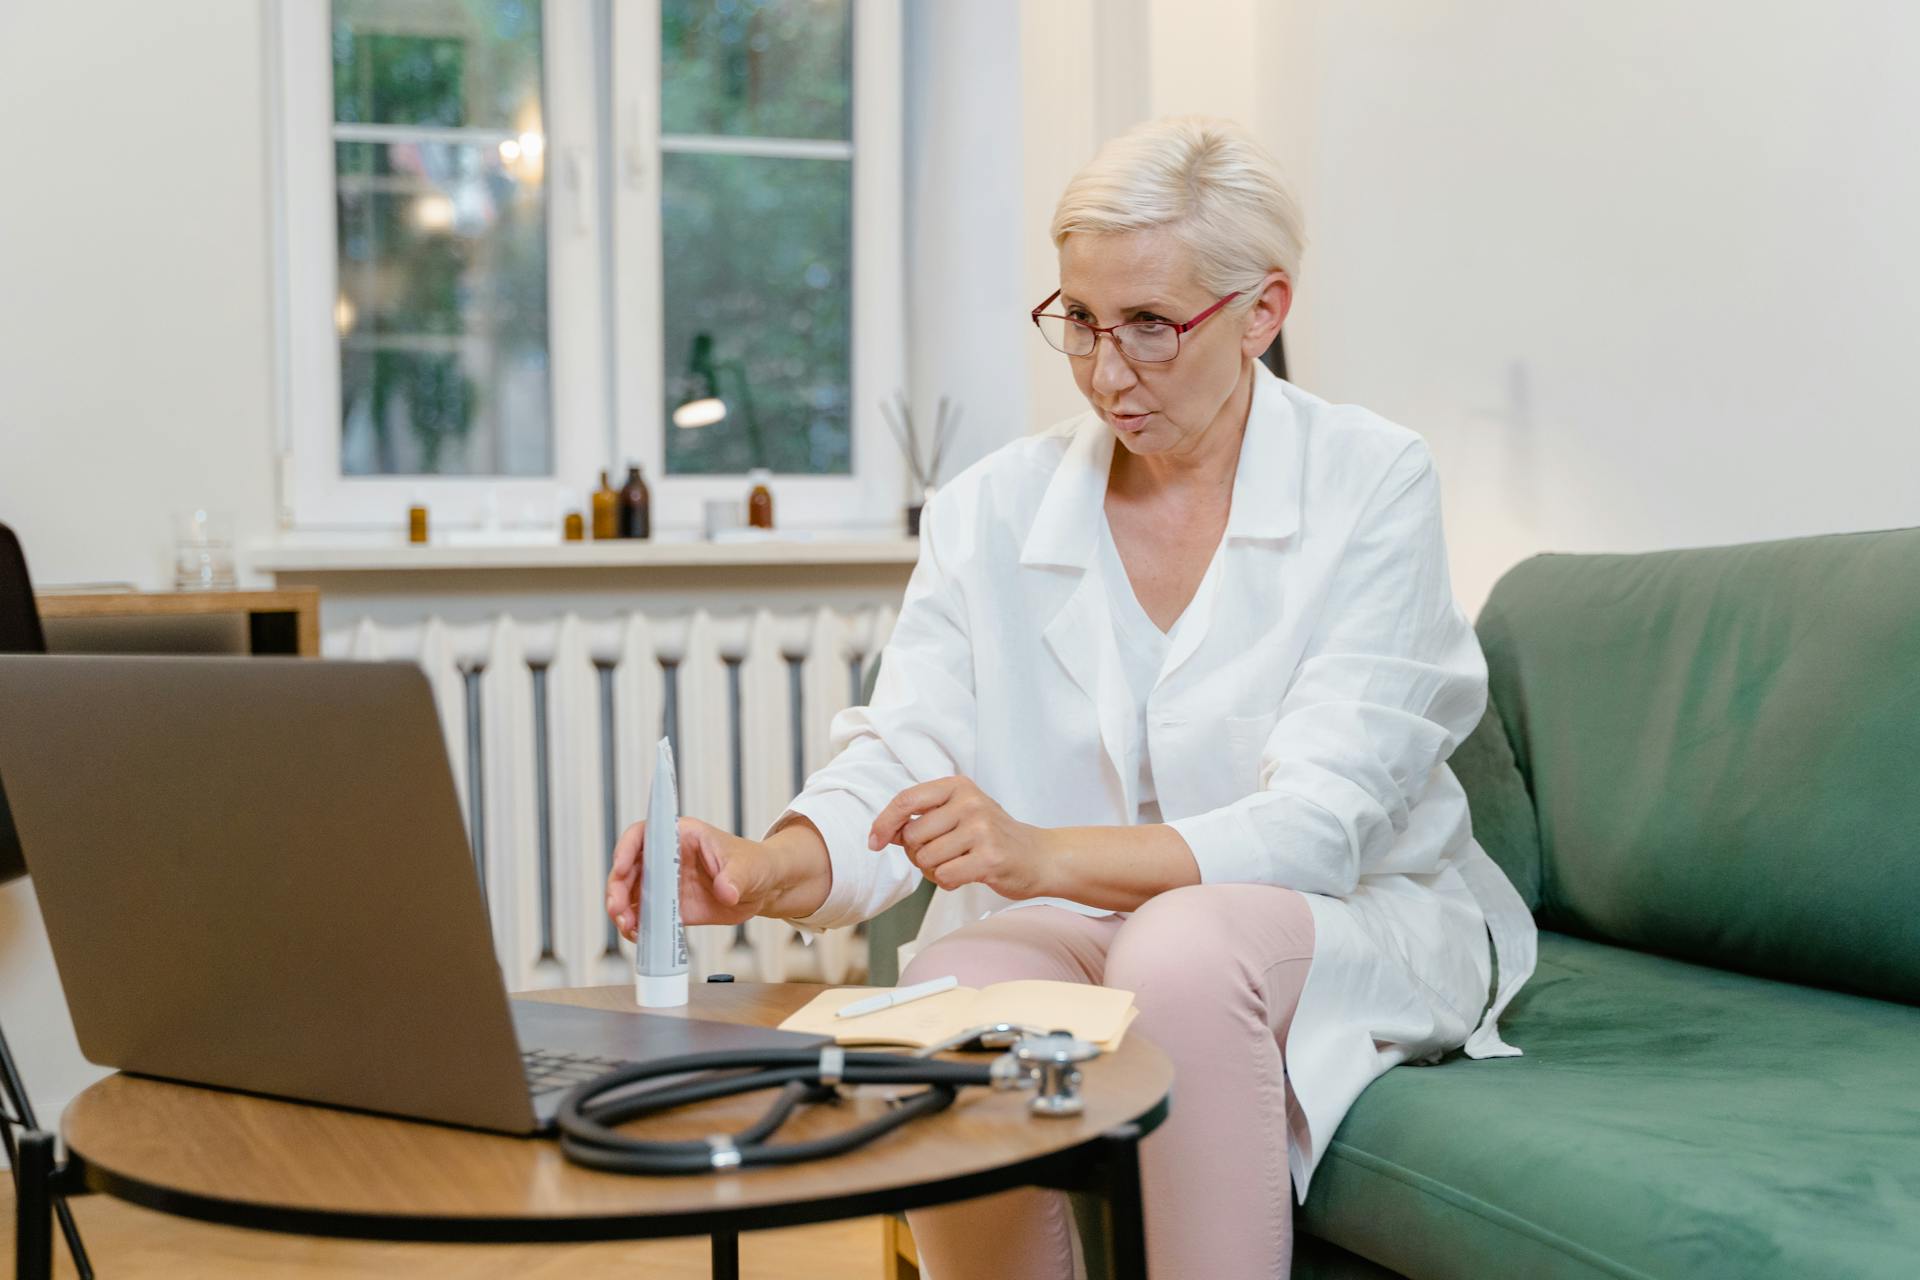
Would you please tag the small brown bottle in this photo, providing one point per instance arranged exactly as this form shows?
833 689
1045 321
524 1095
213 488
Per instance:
606 510
636 517
760 499
417 519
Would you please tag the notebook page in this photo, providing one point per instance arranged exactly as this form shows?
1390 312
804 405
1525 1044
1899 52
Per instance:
921 1022
1090 1012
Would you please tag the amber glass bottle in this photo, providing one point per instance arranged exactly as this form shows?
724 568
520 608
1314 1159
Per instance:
760 499
636 519
606 510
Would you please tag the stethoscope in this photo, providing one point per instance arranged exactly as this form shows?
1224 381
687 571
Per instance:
1044 1061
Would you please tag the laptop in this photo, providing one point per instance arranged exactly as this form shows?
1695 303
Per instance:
254 875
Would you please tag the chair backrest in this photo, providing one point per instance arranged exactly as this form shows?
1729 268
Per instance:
1720 745
20 632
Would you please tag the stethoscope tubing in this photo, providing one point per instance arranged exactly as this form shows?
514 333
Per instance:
588 1116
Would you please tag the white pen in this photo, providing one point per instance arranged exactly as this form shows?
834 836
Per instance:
900 995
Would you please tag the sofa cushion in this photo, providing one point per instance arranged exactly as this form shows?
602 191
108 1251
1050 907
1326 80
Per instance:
1722 745
1668 1120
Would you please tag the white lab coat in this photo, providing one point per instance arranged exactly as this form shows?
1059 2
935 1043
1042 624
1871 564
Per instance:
1297 733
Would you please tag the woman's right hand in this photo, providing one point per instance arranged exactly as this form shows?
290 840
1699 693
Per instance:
724 878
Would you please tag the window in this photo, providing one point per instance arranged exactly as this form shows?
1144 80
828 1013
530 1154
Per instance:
519 235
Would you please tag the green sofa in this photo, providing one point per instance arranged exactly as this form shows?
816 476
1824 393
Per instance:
1701 769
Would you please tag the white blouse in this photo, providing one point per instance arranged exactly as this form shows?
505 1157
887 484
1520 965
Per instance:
1143 653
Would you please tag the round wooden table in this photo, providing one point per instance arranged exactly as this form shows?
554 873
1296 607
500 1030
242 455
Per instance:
287 1166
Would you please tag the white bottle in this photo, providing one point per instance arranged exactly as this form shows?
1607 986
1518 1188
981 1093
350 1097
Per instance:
660 953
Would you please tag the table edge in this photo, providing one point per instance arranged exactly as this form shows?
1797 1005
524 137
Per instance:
1068 1163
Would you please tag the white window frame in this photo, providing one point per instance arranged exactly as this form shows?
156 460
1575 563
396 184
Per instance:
589 433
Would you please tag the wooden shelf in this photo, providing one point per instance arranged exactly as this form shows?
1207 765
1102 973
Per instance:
284 621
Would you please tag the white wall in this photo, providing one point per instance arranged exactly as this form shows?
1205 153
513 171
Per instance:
1644 273
135 349
135 342
963 242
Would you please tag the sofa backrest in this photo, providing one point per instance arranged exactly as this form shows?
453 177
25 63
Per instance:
1499 803
1723 750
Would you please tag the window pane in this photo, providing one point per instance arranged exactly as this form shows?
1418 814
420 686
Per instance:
445 63
760 68
442 311
758 254
440 170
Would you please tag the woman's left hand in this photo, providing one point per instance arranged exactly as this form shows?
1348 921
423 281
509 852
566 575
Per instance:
963 837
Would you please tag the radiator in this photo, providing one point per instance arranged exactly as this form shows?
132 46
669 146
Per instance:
550 726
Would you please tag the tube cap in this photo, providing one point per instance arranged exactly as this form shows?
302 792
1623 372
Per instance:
664 991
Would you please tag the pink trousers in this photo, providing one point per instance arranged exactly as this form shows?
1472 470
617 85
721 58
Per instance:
1216 971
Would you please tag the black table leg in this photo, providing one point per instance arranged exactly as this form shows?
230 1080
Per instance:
726 1255
33 1206
1126 1220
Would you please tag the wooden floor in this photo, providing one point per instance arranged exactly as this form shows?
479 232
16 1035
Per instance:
125 1242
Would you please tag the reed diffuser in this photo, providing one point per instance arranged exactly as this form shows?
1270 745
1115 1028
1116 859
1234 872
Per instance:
900 419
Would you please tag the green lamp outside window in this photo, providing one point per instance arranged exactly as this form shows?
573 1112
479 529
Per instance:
708 407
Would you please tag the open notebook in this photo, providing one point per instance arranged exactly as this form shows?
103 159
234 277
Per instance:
1099 1014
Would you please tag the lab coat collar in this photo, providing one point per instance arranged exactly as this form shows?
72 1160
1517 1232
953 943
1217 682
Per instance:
1266 483
1266 505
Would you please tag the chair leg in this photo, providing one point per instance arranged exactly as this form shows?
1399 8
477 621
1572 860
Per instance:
899 1260
15 1090
33 1209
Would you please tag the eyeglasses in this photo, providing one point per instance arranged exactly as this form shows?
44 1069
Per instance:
1147 341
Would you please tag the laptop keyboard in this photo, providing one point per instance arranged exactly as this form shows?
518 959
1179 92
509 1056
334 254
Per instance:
549 1069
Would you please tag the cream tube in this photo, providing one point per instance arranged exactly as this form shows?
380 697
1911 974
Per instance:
660 958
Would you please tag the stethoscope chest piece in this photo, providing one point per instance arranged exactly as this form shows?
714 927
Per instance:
1052 1060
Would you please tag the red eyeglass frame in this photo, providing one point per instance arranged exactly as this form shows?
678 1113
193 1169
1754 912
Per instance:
1179 330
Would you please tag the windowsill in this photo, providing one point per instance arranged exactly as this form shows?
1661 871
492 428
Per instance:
390 552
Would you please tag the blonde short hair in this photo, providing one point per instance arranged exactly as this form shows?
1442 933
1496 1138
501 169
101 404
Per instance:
1208 182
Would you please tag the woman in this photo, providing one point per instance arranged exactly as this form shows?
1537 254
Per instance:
1167 707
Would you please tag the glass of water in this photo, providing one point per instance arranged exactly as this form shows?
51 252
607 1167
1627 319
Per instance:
203 550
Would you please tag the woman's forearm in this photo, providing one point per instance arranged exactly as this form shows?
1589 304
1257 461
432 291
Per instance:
1117 868
801 869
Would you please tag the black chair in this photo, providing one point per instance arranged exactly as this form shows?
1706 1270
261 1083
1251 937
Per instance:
20 632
